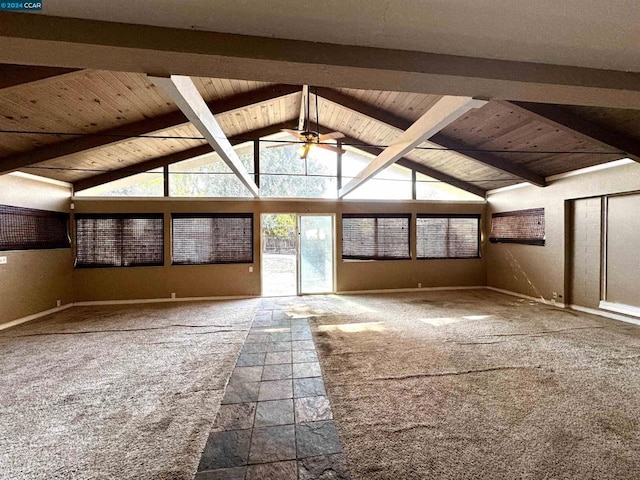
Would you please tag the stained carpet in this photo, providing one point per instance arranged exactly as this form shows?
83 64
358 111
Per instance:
118 392
479 385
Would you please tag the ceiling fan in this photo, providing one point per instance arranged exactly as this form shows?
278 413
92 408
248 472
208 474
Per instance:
311 138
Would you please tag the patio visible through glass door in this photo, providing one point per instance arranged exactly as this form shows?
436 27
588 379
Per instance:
279 254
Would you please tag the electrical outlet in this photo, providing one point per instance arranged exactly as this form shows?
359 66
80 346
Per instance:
58 303
173 295
3 260
555 295
250 269
419 285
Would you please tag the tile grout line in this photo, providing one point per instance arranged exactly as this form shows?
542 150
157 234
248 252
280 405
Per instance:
246 473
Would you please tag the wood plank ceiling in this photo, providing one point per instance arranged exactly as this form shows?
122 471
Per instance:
497 145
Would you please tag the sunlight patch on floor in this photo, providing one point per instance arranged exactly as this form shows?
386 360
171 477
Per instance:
442 321
353 327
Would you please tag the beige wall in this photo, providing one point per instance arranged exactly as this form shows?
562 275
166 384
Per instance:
34 280
229 280
540 271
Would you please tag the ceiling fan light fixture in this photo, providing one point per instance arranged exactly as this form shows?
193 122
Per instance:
311 138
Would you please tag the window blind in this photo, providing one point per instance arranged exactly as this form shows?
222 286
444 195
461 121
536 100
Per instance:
375 236
30 229
119 240
212 238
521 226
448 236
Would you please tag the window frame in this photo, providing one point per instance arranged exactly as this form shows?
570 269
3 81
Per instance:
118 216
46 244
377 216
476 216
529 212
243 215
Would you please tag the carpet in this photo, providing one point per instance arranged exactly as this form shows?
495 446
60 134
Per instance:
116 392
478 385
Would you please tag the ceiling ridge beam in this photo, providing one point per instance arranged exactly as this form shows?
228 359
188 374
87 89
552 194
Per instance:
143 127
185 94
442 113
12 75
556 117
172 158
37 40
438 139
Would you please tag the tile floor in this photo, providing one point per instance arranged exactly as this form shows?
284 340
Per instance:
275 421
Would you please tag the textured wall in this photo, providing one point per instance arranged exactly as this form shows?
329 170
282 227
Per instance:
540 271
34 280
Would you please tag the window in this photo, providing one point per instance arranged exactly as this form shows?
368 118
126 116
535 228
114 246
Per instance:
209 176
522 226
448 236
119 240
147 184
212 238
428 188
30 229
375 236
392 183
283 174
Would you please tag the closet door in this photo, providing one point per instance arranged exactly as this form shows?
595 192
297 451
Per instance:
586 252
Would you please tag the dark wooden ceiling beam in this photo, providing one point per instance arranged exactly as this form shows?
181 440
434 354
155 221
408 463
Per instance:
394 121
83 43
176 157
13 75
143 127
559 118
413 165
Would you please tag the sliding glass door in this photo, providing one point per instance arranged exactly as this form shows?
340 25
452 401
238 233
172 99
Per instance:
297 254
315 253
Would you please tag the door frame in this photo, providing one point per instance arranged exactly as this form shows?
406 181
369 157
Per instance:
299 253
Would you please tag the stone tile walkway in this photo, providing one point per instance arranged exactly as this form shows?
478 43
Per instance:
275 421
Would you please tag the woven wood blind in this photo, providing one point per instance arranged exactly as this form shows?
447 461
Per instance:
31 229
375 236
119 240
521 226
448 236
212 238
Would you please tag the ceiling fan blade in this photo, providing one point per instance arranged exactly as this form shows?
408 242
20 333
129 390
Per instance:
283 144
294 133
331 136
305 153
330 147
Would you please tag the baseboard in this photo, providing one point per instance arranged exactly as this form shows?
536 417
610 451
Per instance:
406 290
602 313
28 318
161 300
551 303
630 310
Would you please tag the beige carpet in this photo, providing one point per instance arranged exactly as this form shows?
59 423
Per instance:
119 392
478 385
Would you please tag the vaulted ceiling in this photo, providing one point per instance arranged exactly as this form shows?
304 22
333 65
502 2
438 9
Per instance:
76 103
